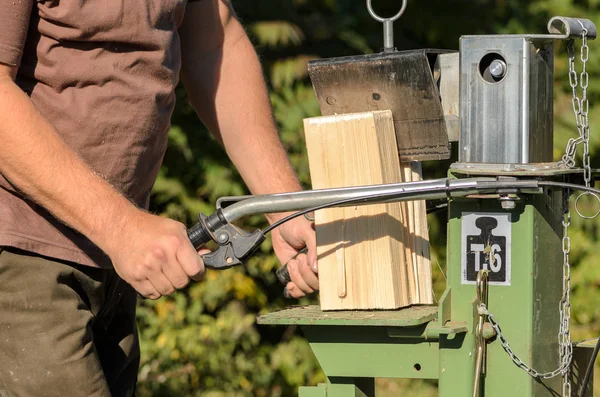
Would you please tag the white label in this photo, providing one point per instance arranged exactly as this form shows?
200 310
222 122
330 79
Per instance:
486 242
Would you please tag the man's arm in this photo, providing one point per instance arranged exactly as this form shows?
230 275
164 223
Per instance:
223 78
149 252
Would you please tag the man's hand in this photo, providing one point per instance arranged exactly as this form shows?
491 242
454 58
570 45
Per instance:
154 255
288 240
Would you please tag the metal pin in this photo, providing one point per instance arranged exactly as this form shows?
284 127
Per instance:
498 69
388 25
223 238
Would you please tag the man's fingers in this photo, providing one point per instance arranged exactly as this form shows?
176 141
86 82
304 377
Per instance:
146 289
310 239
294 291
162 284
177 277
308 275
294 269
201 253
190 261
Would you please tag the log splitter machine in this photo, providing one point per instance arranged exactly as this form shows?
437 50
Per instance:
501 328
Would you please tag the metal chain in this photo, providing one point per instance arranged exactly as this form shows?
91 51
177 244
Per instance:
565 348
580 109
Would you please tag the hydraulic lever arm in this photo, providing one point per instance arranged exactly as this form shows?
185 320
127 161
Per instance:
236 246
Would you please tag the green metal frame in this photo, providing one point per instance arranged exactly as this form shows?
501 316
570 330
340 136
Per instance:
354 347
527 310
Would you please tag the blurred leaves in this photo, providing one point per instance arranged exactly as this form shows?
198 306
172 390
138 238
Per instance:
203 341
286 71
276 33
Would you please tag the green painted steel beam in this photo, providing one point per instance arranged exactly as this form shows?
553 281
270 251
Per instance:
341 387
344 391
313 391
352 351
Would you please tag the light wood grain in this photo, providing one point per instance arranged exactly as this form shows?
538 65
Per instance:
419 240
365 252
448 67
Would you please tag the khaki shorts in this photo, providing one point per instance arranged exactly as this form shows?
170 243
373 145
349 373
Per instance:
65 330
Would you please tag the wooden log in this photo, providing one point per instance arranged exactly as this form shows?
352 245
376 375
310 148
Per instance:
365 253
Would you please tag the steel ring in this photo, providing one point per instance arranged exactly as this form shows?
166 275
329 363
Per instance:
577 207
380 19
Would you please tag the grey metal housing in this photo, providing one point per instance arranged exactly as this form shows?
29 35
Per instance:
510 120
506 93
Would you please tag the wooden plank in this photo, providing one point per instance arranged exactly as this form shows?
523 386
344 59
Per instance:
420 241
417 239
362 254
448 68
408 209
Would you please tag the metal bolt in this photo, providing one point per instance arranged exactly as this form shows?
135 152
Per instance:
223 238
507 203
498 68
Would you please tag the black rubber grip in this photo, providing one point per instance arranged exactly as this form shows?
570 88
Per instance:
199 235
283 275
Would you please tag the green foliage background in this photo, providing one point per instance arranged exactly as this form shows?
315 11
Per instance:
203 341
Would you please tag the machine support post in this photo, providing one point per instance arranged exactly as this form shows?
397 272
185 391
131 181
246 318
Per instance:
525 286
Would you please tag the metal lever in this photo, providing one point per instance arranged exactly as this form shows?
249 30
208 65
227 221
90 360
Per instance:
388 25
235 245
482 299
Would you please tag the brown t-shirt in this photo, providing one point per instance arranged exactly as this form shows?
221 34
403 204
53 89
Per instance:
103 73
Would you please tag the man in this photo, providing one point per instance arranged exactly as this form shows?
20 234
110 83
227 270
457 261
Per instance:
86 93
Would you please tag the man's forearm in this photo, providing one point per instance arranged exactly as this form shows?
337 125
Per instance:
224 82
36 160
242 116
246 126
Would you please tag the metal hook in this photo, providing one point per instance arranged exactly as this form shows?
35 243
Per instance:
388 25
565 28
482 286
482 301
583 28
577 205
